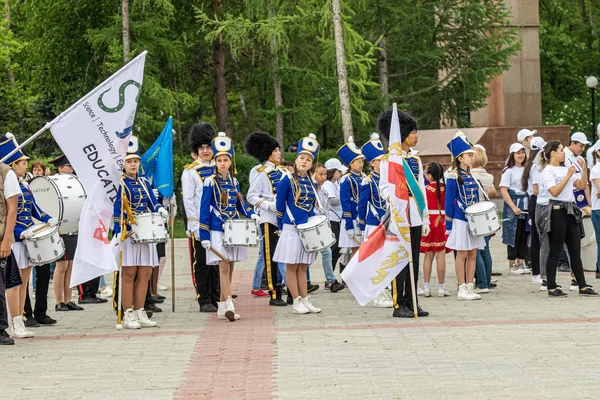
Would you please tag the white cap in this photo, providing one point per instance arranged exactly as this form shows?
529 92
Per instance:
524 134
334 163
515 147
537 143
580 137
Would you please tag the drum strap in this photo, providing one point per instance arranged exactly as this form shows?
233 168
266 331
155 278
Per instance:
482 191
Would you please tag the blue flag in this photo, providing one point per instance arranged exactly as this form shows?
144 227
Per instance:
157 162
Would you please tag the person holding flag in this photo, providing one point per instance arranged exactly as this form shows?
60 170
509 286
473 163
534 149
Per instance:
462 190
134 197
418 213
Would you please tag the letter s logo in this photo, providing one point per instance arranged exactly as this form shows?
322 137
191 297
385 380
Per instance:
121 103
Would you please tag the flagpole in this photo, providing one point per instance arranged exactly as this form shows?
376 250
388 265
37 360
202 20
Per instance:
120 288
172 212
29 140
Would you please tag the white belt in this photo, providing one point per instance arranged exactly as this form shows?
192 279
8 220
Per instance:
437 212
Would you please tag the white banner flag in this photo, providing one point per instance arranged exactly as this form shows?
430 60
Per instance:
94 134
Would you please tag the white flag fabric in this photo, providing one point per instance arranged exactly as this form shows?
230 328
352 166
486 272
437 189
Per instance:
94 134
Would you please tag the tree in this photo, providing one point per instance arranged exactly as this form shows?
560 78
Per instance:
340 58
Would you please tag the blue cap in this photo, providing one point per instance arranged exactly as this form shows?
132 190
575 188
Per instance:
8 145
459 145
222 144
308 145
373 149
349 152
133 149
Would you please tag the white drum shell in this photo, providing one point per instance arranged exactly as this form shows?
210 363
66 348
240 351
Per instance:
316 234
45 246
149 228
240 232
61 196
482 218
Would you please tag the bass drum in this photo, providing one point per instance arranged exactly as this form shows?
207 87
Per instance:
61 196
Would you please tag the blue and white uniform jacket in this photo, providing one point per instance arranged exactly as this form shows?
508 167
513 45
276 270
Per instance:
349 194
371 206
295 201
27 209
139 195
459 196
263 191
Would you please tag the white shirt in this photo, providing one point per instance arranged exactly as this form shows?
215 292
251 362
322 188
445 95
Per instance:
595 174
260 194
191 186
552 176
534 179
511 179
590 154
11 185
543 195
571 159
332 190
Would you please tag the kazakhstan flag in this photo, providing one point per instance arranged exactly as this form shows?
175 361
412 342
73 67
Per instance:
157 162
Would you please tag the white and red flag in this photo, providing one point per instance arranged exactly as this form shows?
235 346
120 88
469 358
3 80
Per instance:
94 133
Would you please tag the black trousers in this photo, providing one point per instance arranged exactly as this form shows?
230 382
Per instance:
42 281
401 287
335 249
3 310
270 239
564 230
206 277
519 250
534 245
88 290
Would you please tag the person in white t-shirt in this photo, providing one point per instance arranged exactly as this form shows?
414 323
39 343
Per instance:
331 187
595 181
573 157
590 153
514 223
565 216
525 136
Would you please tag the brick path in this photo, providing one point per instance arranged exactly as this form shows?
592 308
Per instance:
514 343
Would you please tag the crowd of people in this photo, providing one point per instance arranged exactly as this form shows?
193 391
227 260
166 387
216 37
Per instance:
546 189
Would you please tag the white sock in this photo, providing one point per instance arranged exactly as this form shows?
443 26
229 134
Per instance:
441 286
426 285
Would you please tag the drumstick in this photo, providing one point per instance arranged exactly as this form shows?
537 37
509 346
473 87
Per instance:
36 230
216 253
356 240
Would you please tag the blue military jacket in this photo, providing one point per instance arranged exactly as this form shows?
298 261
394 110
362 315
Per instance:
140 197
27 209
295 200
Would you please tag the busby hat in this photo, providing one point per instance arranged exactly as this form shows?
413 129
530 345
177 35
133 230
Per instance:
308 145
201 134
8 145
222 144
349 152
407 124
373 149
459 145
260 145
133 149
60 161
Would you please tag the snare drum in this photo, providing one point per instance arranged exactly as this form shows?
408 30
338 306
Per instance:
482 218
149 228
316 234
61 196
240 232
45 245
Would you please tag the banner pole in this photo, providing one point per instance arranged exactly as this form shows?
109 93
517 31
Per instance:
172 212
120 288
29 140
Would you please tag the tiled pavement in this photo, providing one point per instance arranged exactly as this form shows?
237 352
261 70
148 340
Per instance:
515 343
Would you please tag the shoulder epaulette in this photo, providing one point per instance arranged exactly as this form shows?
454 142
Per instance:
366 180
451 174
261 168
209 180
191 165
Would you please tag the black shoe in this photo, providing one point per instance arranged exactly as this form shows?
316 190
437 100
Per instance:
494 273
564 268
312 288
61 307
5 339
588 291
152 307
155 300
234 296
150 313
493 285
74 307
45 320
208 308
278 302
597 275
31 323
92 300
327 285
160 296
336 287
290 299
403 312
557 293
421 312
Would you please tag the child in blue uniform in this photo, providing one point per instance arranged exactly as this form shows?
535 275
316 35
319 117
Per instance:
350 233
295 203
134 197
462 191
222 201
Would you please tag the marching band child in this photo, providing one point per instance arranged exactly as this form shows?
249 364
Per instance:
350 234
331 187
134 197
295 203
434 244
462 191
221 201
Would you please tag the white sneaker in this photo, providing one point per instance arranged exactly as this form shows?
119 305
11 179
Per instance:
221 310
536 279
481 291
229 309
143 320
493 280
382 301
18 329
525 268
106 292
515 270
443 292
427 292
161 288
388 295
299 307
462 294
306 302
543 288
471 291
130 320
573 288
420 291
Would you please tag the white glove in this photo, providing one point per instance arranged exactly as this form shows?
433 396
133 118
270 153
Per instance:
254 217
206 244
272 207
448 233
53 222
425 230
27 234
163 212
350 233
188 233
